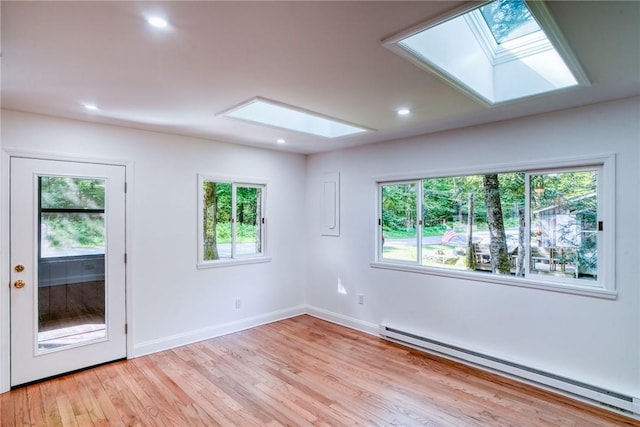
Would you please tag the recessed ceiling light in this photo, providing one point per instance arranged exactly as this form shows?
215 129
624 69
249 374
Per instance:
280 141
270 113
92 107
157 22
404 111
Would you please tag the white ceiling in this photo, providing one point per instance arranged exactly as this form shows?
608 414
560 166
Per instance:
323 56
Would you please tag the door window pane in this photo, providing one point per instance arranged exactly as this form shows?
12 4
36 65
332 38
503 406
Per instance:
71 264
71 193
71 233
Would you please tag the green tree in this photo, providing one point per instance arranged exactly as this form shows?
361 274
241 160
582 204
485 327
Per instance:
498 243
504 17
399 207
210 220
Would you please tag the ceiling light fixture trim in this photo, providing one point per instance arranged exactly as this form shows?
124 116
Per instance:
157 22
266 112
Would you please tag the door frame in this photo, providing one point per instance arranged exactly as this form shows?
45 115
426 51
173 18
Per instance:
5 272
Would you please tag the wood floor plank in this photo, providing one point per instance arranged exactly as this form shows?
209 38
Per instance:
21 409
296 372
36 407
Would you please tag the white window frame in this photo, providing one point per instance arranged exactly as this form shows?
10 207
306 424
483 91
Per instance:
235 259
603 287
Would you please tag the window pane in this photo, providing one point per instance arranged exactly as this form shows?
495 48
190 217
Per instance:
465 216
445 215
248 221
508 19
564 218
399 222
71 193
217 220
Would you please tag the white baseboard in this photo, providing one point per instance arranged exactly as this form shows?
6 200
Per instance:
177 340
349 322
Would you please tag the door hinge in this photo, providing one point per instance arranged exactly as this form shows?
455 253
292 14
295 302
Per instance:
600 225
379 221
125 257
125 188
126 328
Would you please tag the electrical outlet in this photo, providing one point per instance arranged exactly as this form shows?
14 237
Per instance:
360 299
238 303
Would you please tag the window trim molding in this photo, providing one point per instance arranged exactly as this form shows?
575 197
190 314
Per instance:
606 187
235 181
497 279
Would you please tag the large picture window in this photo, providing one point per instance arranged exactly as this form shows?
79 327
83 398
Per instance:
232 221
530 226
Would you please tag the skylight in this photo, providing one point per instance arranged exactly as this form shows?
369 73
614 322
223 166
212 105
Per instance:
498 52
508 19
271 113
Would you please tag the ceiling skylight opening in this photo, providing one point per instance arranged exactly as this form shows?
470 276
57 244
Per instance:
274 114
498 52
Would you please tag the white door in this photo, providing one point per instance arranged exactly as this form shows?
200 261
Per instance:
67 267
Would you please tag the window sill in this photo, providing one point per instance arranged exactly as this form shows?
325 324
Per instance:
231 262
498 279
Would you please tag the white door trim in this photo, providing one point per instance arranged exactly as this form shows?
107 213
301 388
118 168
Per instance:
5 296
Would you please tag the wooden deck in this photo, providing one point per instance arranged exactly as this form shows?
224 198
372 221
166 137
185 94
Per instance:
296 372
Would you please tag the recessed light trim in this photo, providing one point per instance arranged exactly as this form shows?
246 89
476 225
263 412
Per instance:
157 22
280 141
90 107
403 111
464 51
278 115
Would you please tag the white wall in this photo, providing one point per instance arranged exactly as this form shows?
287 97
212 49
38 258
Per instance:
173 302
593 340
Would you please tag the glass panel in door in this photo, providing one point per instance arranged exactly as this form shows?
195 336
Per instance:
71 261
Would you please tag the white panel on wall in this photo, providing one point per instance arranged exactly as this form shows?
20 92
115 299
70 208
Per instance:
331 204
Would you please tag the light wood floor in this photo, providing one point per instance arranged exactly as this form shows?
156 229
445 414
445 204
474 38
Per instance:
296 372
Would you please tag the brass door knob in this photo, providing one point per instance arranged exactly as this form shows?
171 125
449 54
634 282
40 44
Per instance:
19 284
19 268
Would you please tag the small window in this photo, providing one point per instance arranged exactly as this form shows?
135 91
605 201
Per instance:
533 226
232 222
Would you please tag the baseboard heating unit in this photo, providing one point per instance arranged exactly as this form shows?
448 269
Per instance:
586 392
